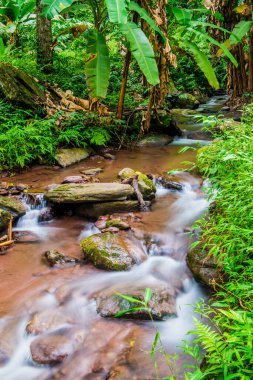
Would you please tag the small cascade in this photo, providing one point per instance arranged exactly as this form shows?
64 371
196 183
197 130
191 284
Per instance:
34 203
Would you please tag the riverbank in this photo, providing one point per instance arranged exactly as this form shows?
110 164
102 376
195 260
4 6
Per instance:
227 236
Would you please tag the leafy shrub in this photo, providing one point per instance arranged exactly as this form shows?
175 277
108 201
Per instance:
228 233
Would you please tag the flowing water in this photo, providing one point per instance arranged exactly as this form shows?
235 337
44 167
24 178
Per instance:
62 299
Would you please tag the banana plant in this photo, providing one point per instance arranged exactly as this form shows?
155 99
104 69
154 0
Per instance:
192 37
98 65
15 13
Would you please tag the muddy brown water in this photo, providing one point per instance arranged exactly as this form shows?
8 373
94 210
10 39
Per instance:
63 297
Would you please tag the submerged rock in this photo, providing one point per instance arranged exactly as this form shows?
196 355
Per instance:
93 171
46 214
155 140
162 303
48 320
89 193
54 257
51 349
112 251
74 179
12 205
67 157
25 237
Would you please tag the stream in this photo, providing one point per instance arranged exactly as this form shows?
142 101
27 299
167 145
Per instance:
60 301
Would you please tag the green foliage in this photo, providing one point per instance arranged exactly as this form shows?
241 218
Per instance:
98 65
228 236
54 7
142 51
117 10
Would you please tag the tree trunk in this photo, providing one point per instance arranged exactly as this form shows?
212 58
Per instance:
250 78
44 40
121 101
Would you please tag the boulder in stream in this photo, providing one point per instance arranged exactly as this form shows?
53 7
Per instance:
12 205
89 193
112 251
154 140
91 172
204 266
103 208
187 101
161 305
51 349
69 156
54 257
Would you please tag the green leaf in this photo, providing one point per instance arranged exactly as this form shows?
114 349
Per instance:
145 16
2 47
142 51
133 309
98 65
147 295
131 299
240 30
214 42
183 16
203 63
156 340
54 7
27 9
117 11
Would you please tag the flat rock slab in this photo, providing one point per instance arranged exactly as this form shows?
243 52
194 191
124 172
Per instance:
89 193
112 251
162 303
98 209
67 157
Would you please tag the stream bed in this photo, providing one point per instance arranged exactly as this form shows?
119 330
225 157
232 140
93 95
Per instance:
38 302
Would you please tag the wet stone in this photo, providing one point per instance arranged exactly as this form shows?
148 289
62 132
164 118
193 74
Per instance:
54 257
74 179
162 304
91 172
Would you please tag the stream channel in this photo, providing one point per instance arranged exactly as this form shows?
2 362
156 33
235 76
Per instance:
60 301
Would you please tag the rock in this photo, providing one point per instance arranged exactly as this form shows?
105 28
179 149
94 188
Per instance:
203 266
96 209
5 217
109 156
67 157
48 320
74 179
154 140
9 333
19 87
46 214
51 349
113 252
89 193
182 117
227 124
4 192
146 186
13 205
91 172
22 187
25 237
114 230
162 303
53 257
118 223
171 185
126 173
186 101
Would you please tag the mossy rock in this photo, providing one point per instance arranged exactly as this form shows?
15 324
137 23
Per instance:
156 140
104 208
67 157
146 186
112 251
187 101
5 217
204 266
118 223
13 205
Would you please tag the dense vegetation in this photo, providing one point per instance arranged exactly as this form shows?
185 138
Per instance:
227 235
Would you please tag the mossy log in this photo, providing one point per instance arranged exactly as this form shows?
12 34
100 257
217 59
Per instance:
20 88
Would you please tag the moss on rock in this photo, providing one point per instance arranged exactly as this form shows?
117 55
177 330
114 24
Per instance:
5 217
12 205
